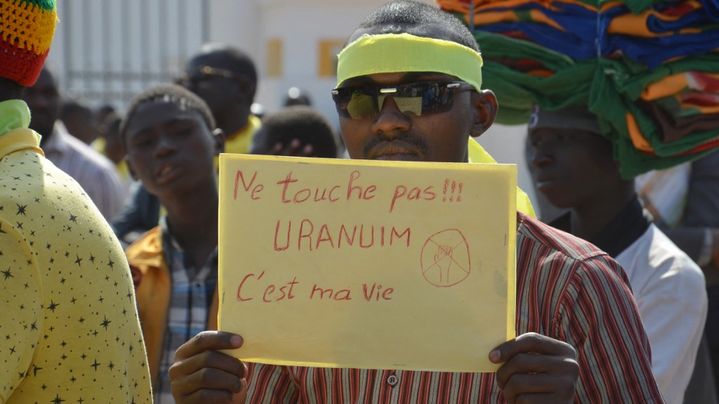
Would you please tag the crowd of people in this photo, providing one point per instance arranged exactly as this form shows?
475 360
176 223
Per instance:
108 261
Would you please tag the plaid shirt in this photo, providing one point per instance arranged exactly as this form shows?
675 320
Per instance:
566 289
191 297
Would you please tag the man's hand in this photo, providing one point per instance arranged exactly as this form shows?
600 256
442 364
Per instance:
537 369
201 374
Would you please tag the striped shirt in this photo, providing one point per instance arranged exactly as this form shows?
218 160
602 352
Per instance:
93 171
567 289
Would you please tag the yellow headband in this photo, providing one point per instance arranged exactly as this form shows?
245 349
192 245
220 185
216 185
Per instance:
394 53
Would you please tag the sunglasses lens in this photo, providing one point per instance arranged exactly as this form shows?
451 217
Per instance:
422 98
436 98
361 105
408 105
416 98
354 103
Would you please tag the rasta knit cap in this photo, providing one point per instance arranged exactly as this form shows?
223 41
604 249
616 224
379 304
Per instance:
26 31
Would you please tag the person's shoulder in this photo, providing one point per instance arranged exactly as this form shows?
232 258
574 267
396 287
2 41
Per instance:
145 256
87 153
15 167
554 250
44 200
30 178
534 233
667 258
147 247
709 161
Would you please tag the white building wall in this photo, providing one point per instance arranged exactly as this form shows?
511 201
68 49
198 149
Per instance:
302 25
236 22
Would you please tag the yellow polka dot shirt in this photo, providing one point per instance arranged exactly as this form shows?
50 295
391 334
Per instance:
69 331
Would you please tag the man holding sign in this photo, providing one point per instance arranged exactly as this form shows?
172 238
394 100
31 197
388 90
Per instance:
409 89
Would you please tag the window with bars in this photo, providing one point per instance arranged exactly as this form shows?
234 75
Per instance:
112 50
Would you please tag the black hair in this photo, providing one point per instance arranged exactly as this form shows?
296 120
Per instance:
71 107
113 125
411 16
10 89
296 122
171 93
106 109
232 59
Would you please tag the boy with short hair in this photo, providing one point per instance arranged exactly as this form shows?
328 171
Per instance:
295 131
171 141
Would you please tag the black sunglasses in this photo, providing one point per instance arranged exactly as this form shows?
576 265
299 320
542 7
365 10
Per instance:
420 98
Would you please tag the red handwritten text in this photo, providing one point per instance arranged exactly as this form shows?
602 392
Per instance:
305 235
376 293
293 192
412 194
271 292
330 294
256 189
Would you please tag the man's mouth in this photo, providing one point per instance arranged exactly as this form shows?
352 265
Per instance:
167 173
395 151
546 181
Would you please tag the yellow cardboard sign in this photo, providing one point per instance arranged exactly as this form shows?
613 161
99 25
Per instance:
361 264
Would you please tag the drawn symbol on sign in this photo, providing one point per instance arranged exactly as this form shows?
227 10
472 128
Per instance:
445 258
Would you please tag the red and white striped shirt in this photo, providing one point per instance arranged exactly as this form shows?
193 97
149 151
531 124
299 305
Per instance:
567 289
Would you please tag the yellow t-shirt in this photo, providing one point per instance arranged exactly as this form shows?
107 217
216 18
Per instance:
241 141
69 328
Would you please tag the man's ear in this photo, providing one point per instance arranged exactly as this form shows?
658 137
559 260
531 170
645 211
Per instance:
218 136
484 105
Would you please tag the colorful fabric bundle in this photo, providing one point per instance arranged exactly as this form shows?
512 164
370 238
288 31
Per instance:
26 31
636 6
664 32
649 70
582 31
653 119
567 26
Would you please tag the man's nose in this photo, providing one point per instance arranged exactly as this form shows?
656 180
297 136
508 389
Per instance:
537 156
166 145
390 118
